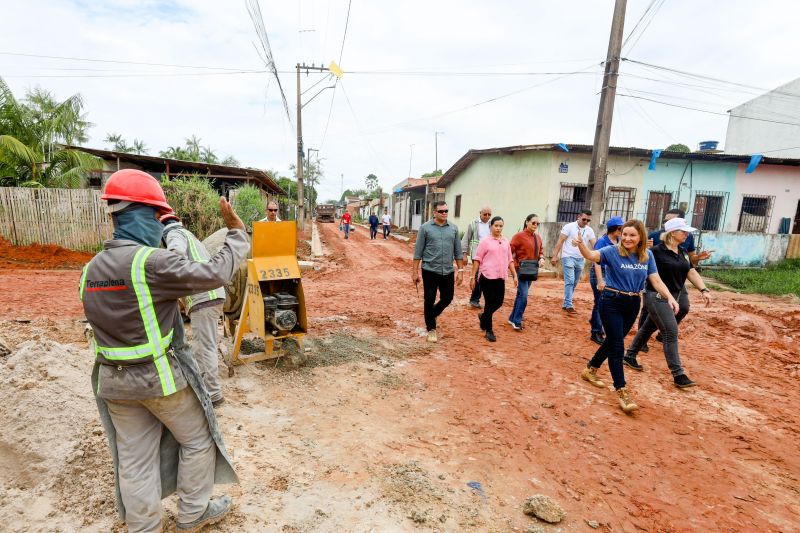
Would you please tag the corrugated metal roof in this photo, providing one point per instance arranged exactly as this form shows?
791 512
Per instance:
178 165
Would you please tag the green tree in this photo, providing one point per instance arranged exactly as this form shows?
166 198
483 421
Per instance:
435 174
354 192
249 204
371 182
193 150
678 148
33 135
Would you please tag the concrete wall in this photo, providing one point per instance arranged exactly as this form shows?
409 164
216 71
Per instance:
743 249
746 136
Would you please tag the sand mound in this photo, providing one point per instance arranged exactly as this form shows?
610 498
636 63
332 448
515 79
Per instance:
53 454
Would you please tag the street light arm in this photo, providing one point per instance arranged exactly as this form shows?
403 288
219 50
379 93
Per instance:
318 93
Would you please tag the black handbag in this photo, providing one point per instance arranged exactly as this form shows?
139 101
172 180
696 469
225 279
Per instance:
528 270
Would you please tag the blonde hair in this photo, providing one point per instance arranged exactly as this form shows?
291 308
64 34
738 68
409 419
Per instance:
668 237
641 247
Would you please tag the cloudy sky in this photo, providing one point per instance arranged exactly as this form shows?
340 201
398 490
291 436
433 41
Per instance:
485 74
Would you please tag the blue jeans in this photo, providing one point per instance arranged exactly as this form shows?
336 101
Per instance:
597 324
346 231
618 313
572 268
520 302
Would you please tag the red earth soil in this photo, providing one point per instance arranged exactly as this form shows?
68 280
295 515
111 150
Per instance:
40 257
515 416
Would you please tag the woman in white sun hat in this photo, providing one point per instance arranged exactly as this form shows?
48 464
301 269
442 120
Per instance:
674 267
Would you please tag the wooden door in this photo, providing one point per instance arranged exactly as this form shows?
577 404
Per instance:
657 204
700 203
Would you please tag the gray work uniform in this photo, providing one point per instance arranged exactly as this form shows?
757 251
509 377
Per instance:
204 309
129 294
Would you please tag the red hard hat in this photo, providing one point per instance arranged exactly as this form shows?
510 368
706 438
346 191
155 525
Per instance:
136 186
169 216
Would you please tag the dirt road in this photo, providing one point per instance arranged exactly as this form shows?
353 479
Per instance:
383 432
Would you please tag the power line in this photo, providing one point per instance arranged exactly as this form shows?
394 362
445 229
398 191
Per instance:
117 61
647 25
708 111
346 23
137 75
635 26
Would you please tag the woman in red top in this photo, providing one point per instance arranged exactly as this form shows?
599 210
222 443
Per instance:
493 259
527 244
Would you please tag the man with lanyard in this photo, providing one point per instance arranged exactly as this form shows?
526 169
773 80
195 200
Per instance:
272 212
571 259
477 230
161 427
204 308
386 223
436 248
653 239
346 218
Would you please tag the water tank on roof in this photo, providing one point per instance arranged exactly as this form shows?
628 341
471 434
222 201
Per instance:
707 146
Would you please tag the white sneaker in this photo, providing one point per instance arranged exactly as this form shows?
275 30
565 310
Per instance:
432 337
510 323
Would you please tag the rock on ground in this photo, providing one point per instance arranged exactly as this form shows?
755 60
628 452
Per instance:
544 508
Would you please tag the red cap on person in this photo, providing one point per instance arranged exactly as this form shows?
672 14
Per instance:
135 186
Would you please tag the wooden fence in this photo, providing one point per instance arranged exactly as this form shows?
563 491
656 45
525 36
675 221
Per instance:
72 218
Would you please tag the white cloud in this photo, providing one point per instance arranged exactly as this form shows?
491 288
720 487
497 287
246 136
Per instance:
242 115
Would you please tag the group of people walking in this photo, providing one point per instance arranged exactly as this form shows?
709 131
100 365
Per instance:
631 273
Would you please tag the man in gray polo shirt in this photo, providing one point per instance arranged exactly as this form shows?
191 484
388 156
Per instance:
436 248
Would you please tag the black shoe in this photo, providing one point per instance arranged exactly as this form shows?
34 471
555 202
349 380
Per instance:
632 362
490 336
644 349
217 403
480 321
597 338
683 381
659 338
476 305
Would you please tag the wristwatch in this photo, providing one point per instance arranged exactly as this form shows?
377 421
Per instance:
705 289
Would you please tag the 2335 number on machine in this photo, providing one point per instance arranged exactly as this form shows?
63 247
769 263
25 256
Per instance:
274 273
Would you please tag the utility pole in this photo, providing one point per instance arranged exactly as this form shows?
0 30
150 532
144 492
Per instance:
336 71
595 193
410 158
436 141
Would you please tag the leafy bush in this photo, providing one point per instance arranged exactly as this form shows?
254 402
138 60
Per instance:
249 204
196 202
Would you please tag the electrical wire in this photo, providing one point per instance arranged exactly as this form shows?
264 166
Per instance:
707 111
647 25
635 26
118 61
346 23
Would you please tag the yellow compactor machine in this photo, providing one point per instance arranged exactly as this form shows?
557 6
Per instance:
274 306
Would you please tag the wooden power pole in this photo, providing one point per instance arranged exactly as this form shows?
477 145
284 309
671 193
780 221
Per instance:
595 193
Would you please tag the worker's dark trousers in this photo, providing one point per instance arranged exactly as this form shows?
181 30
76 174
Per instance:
493 292
431 283
373 232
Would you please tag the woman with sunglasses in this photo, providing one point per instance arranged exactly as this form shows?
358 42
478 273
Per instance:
525 245
627 266
493 260
675 267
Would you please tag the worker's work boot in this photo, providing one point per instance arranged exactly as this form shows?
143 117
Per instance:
432 337
216 511
590 374
625 401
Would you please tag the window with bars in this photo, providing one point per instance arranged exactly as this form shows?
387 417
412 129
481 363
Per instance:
620 202
708 210
755 214
571 200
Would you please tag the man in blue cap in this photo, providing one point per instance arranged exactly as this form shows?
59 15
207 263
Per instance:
597 275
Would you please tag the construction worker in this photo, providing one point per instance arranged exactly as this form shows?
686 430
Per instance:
204 308
159 419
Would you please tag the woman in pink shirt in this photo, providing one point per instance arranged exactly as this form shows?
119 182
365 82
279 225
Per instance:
494 261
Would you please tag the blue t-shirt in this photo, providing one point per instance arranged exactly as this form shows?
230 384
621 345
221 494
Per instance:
688 244
602 242
626 274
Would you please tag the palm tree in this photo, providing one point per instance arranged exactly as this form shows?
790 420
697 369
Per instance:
33 133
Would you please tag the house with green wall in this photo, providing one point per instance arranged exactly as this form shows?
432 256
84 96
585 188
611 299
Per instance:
550 180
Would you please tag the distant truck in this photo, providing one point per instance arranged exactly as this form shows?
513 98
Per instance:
325 213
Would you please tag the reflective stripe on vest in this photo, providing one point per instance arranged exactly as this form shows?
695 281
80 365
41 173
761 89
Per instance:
83 281
195 256
156 347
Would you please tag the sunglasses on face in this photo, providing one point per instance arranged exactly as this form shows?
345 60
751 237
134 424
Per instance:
273 210
442 210
586 219
486 214
534 223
